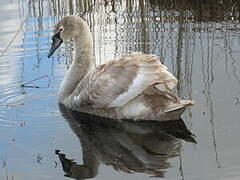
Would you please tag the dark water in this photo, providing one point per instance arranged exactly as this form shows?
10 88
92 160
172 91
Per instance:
198 40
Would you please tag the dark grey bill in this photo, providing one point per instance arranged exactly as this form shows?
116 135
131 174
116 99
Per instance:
56 42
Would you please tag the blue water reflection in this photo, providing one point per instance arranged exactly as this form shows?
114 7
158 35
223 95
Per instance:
198 41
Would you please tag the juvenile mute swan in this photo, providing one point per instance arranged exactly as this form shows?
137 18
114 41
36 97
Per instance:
136 86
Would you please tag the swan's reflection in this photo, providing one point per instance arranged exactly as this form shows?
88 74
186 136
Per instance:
126 146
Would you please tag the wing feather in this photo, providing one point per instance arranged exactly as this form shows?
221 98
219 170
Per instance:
117 82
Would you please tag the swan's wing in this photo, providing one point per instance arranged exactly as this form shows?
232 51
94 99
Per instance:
117 82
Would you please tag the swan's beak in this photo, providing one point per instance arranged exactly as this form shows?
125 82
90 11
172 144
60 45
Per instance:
56 42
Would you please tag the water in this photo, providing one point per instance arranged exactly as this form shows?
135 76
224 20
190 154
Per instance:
198 41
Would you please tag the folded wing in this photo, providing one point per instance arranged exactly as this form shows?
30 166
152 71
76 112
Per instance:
117 82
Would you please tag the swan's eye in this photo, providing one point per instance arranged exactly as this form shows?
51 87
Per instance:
60 30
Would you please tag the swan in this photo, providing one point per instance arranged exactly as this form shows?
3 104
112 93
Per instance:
136 86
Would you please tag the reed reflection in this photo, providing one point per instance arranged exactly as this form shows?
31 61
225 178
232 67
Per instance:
122 27
127 146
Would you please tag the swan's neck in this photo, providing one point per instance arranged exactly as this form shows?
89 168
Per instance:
80 66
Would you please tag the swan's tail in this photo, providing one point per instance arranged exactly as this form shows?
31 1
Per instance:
177 110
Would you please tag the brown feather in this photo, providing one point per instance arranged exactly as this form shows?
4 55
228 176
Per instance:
103 85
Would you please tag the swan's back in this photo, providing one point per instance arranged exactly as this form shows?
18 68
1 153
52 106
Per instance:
129 87
118 81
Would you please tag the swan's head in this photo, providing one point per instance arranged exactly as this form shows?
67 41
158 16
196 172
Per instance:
66 29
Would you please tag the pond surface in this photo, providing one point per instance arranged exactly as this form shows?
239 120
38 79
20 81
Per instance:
198 41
